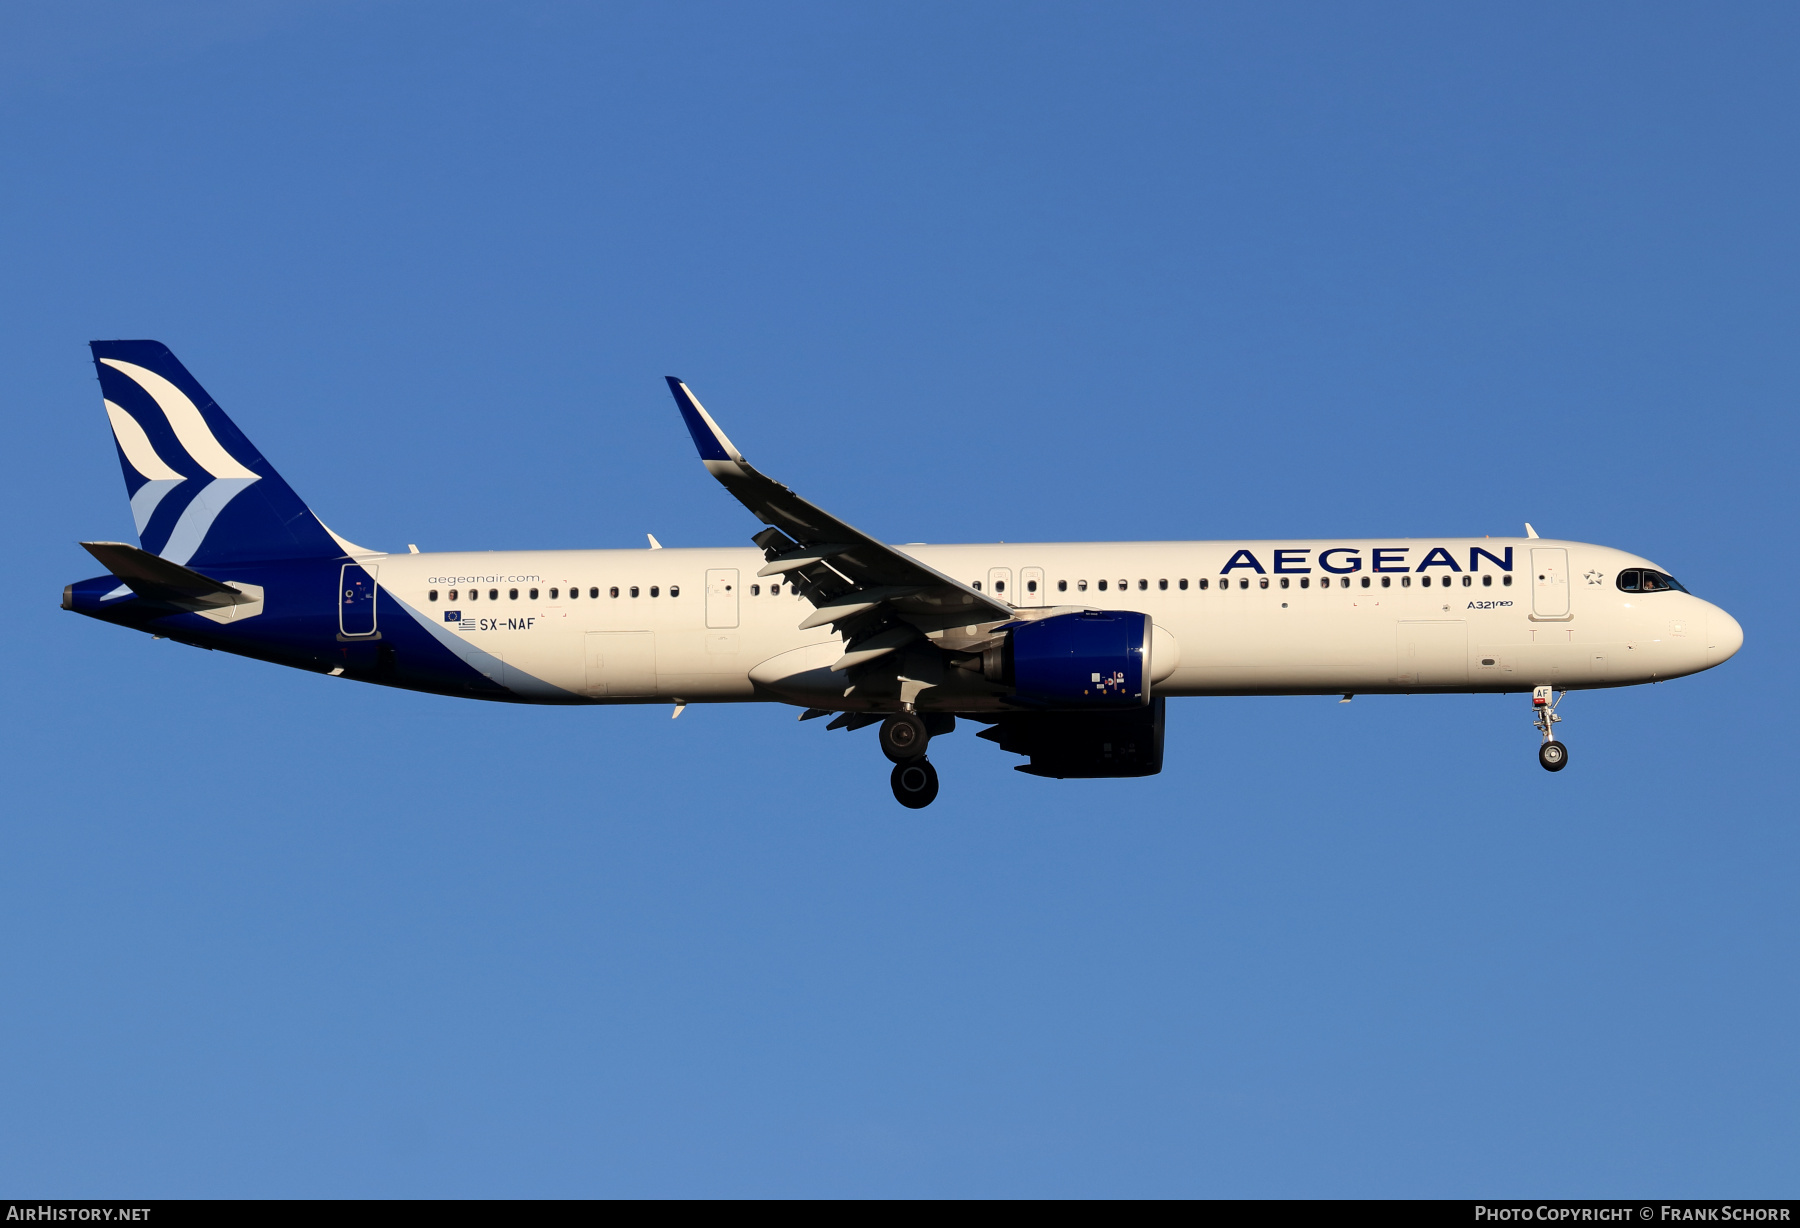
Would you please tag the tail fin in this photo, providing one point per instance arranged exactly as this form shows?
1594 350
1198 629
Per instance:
200 492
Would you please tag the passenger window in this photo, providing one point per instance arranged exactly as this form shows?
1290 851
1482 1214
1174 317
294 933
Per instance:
1124 584
756 590
1163 585
1487 582
977 587
1062 586
493 594
1245 582
654 591
634 590
1081 586
1144 585
512 594
1405 581
674 590
474 594
775 590
1365 582
534 594
1344 583
553 594
1468 580
1387 582
595 591
999 586
1101 585
1183 584
1284 582
1031 586
453 594
1203 582
1305 581
1263 582
1506 581
432 595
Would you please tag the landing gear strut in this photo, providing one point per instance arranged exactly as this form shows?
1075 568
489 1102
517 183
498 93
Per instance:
915 783
1553 755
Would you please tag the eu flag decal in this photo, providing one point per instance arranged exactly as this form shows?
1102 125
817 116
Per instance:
452 616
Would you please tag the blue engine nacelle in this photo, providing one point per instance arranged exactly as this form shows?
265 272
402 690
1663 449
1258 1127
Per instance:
1092 659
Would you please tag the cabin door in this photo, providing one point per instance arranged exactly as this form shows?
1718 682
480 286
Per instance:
1000 584
722 597
356 599
1550 583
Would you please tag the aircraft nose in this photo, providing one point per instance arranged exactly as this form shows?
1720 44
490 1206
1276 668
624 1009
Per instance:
1723 636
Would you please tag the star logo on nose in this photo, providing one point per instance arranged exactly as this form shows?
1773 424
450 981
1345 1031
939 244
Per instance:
1594 577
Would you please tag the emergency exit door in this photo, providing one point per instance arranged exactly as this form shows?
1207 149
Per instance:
722 597
1031 586
1550 583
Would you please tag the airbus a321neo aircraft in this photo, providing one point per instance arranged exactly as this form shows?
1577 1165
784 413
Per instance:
1066 652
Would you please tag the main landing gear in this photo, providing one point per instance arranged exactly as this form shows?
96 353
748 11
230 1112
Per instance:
904 737
1553 755
915 783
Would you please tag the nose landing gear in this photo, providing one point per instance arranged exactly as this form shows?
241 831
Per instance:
1552 754
915 783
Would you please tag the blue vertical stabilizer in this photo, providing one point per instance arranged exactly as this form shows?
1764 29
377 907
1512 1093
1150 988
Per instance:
201 494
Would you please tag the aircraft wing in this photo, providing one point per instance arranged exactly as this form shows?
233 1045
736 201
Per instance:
854 580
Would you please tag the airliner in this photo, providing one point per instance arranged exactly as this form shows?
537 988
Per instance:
1067 652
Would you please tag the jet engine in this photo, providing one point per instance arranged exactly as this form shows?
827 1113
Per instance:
1088 659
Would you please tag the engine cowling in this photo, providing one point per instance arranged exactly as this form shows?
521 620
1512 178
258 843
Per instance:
1087 659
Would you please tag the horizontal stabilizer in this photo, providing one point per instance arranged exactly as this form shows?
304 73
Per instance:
156 579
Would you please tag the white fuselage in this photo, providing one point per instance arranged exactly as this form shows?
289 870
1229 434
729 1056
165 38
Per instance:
1318 617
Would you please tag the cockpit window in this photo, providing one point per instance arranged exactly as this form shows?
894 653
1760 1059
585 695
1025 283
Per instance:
1644 580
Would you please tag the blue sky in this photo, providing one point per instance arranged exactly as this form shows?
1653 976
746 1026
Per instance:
957 273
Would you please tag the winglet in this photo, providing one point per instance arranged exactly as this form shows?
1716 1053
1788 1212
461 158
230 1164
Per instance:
707 436
1529 531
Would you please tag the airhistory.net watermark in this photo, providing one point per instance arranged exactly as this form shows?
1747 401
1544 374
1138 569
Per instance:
52 1213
